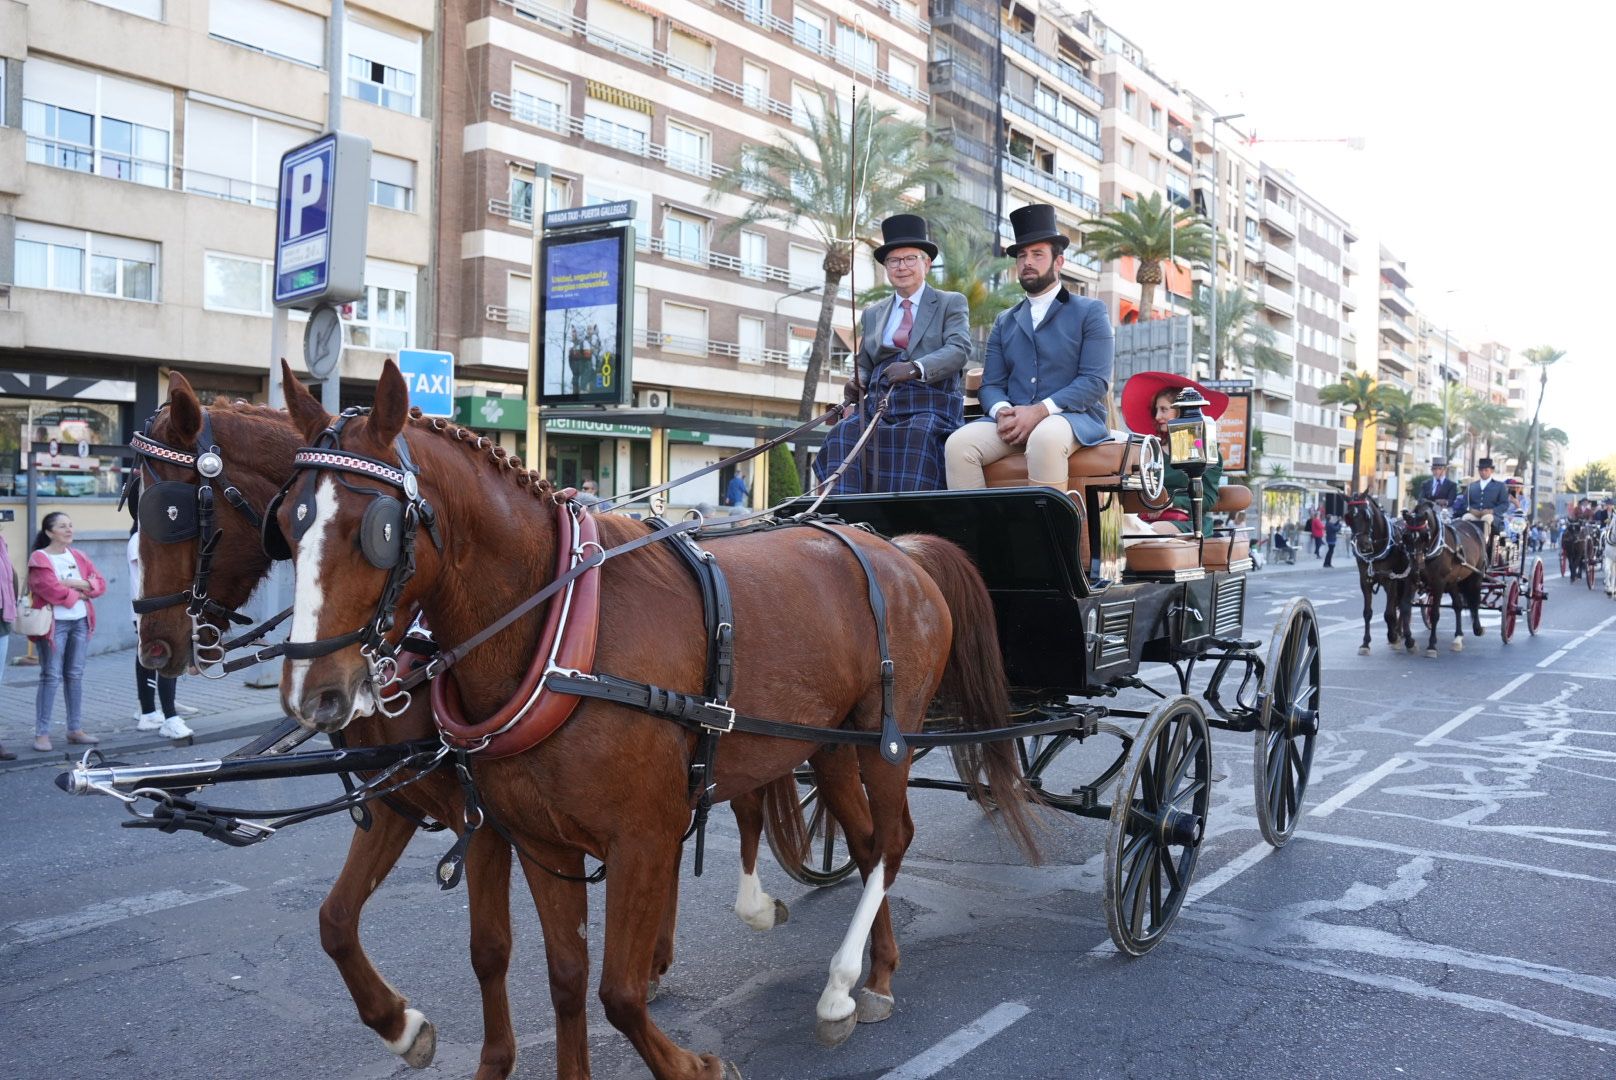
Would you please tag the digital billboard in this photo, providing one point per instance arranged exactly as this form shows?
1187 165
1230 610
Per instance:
586 320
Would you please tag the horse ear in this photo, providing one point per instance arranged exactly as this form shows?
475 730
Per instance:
184 410
307 413
392 404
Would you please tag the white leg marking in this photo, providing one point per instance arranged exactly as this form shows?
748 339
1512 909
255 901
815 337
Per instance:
836 1003
307 597
413 1019
754 906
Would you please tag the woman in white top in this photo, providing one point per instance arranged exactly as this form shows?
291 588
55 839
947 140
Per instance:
65 580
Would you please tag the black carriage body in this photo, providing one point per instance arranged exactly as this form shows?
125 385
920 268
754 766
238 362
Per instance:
1062 630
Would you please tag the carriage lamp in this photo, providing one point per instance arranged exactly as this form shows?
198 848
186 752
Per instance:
1192 442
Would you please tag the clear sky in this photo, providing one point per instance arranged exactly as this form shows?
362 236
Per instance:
1490 164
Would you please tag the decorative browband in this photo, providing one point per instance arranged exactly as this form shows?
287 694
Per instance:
309 458
154 449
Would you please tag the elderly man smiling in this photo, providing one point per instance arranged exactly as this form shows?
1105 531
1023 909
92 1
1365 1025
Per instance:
915 344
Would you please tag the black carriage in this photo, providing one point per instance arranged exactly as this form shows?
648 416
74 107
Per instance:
1579 550
1511 584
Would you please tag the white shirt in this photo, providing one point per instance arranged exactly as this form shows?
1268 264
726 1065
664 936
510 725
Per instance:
1038 307
67 567
895 316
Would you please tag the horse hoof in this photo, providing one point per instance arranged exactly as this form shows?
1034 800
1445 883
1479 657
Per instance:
1430 654
1458 645
732 1071
782 914
652 989
1363 650
872 1007
419 1040
833 1033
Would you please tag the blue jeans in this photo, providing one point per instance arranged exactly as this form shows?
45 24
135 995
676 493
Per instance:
63 661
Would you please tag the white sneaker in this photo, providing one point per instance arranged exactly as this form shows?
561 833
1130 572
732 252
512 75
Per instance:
184 710
175 728
149 721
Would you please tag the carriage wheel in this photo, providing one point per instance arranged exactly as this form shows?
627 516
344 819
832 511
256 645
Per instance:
1590 568
1431 609
1534 603
828 860
1563 563
1512 608
1288 708
1157 822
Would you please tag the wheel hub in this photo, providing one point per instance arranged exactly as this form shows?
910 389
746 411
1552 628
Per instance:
1177 828
1302 723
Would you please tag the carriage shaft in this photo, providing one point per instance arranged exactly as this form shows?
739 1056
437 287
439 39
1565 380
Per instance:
84 780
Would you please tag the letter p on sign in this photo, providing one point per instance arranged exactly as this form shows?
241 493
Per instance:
308 182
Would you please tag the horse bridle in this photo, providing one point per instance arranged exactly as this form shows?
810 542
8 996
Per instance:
173 511
386 538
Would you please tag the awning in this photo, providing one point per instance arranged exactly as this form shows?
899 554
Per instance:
694 420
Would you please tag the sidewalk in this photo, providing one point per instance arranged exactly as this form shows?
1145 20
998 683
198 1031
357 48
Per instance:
225 709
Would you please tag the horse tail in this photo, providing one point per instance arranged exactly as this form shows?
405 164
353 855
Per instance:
788 833
975 682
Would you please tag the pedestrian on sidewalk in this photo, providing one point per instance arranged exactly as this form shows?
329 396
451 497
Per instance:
1332 533
65 580
8 615
151 687
1316 528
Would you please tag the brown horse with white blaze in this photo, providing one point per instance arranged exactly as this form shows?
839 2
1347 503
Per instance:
612 782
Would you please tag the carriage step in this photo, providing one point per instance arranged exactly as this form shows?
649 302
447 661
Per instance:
1236 644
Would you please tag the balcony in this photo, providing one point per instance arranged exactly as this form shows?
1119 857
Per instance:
1273 384
1271 423
1278 219
11 159
1349 261
1396 359
1284 343
1055 66
1050 185
950 76
1393 327
1279 261
1392 296
944 11
758 15
1349 299
1016 107
1276 299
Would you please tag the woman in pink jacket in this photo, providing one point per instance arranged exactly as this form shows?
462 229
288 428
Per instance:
65 580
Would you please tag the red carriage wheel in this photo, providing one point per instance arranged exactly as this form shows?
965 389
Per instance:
1590 564
1535 598
1564 565
1431 609
1511 608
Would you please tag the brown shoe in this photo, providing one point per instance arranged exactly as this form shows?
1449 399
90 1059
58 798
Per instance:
82 738
42 744
6 755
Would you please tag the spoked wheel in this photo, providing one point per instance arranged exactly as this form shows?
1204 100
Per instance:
1158 819
828 860
1512 608
1288 708
1590 567
1430 610
1563 563
1534 603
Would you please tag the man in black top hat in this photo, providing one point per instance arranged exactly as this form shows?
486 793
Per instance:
1439 489
1047 370
1485 497
912 351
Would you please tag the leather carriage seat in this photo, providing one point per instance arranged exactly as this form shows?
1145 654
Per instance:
1220 550
1088 465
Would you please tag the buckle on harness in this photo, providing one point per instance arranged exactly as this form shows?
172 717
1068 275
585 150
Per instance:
723 727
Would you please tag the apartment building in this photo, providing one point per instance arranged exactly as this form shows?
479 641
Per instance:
548 107
966 80
138 167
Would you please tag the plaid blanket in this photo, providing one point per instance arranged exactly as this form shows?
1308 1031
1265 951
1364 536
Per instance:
906 452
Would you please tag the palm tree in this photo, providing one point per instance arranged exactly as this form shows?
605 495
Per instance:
1400 417
1543 357
1458 399
1244 340
1355 392
967 265
1515 441
812 181
1485 419
1151 230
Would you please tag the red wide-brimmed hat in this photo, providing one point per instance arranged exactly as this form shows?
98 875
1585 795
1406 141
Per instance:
1139 396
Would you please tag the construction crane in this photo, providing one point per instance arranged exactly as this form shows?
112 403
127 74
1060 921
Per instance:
1351 142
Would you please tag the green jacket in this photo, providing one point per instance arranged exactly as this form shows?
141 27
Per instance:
1178 485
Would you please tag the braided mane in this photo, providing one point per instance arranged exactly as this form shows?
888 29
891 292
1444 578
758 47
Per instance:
530 480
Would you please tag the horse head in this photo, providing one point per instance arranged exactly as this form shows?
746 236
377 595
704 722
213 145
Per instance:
185 488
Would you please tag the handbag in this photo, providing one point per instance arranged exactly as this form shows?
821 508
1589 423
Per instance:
33 621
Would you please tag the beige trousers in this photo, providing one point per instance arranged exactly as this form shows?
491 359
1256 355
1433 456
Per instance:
977 444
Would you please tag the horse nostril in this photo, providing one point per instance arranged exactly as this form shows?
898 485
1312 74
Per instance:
330 710
154 655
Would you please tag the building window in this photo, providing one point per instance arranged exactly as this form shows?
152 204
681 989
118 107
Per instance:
903 73
1155 118
751 340
560 193
231 155
800 346
690 58
687 150
277 30
618 127
236 283
51 257
755 84
382 66
392 182
134 152
810 28
684 329
684 237
754 255
1130 102
539 100
384 317
805 266
621 29
86 122
807 105
62 138
857 50
1127 154
521 198
518 302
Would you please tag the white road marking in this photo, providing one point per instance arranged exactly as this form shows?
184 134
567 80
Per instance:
1584 675
1453 856
39 931
307 597
1449 726
1551 658
1510 687
930 1062
1229 871
1572 644
1357 787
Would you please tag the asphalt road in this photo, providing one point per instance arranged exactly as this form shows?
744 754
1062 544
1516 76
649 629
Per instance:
1444 911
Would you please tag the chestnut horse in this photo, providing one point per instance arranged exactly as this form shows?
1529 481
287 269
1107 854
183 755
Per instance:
1382 564
1447 556
613 782
257 444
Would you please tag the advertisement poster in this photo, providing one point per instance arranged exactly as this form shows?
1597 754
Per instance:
584 301
1234 426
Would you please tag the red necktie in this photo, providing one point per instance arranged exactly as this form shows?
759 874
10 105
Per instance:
900 336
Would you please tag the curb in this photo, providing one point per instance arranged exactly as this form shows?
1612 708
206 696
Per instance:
114 746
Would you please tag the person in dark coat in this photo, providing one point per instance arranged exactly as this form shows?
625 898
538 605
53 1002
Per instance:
1047 370
914 347
1486 497
1439 489
1332 533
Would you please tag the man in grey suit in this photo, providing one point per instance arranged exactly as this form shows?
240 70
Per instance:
913 349
1047 370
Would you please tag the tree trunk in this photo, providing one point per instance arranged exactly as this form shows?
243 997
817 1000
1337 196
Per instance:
1358 425
1147 300
1397 473
817 355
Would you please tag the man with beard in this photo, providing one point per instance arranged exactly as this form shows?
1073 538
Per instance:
1047 369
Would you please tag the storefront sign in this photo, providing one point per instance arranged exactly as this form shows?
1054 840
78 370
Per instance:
490 413
567 425
1234 426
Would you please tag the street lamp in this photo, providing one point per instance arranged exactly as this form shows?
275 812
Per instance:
1217 182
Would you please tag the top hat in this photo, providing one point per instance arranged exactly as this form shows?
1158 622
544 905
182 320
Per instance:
1033 224
1485 463
1139 398
905 230
1439 462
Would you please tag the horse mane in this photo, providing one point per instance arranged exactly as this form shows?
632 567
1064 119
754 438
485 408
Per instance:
506 464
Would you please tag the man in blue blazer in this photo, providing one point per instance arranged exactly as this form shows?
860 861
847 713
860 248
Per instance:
1047 370
1439 489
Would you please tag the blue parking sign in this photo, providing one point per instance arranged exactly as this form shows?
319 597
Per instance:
320 221
430 377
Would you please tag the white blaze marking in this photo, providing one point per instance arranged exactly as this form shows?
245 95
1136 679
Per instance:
307 596
835 1003
930 1062
39 931
754 906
